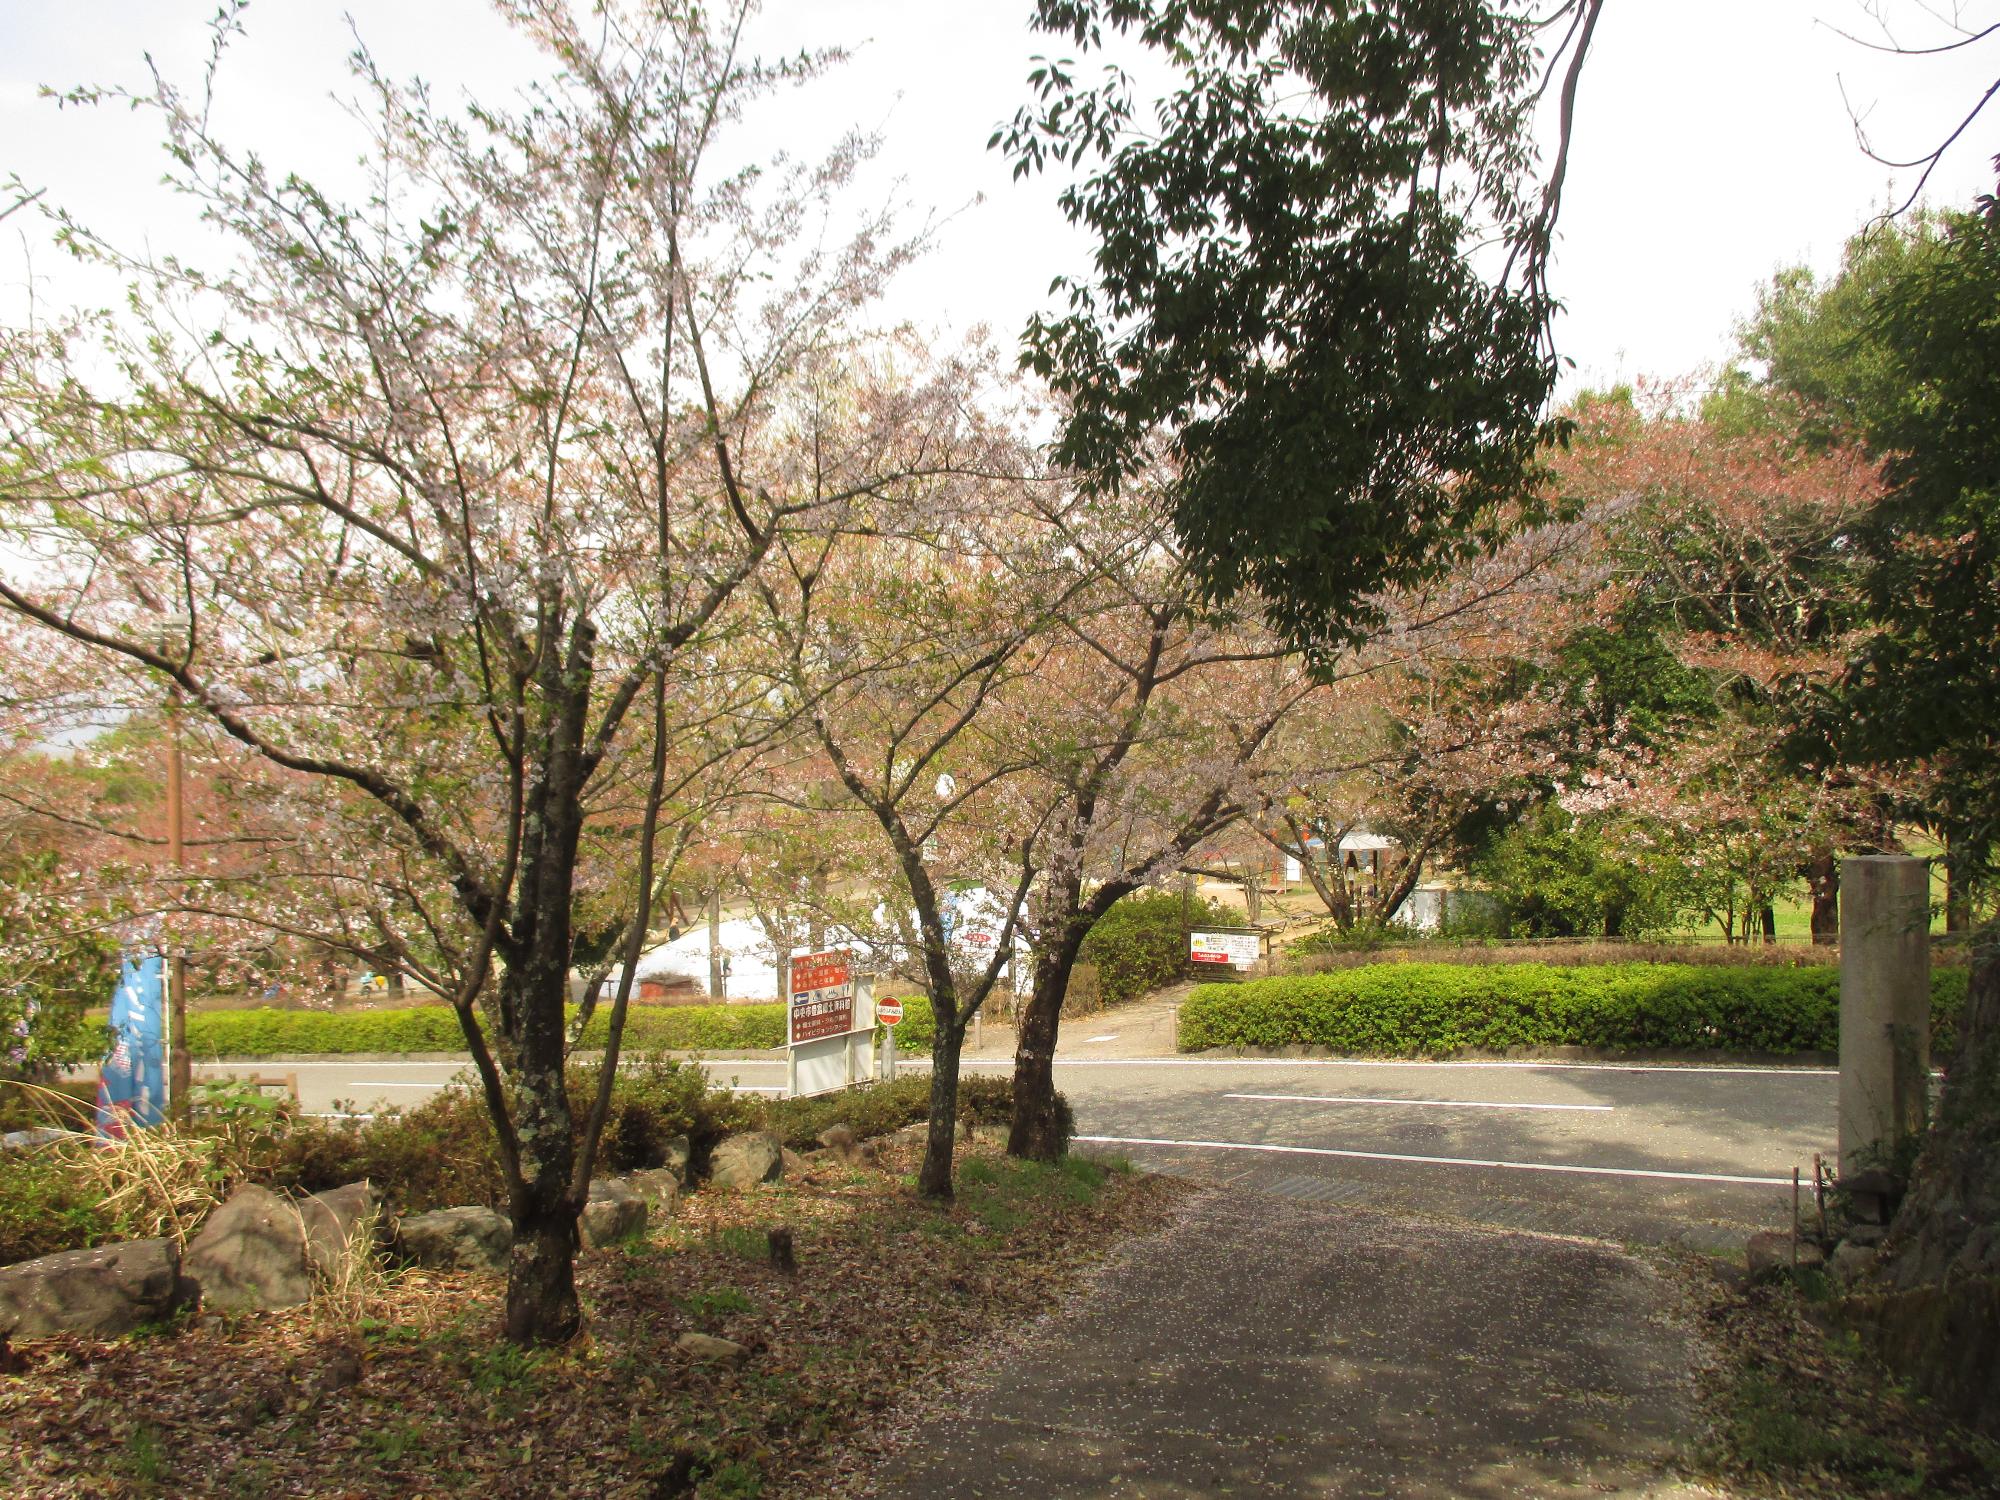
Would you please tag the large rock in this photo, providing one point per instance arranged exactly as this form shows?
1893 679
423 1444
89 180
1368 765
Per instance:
839 1139
336 1221
677 1152
98 1293
612 1213
1771 1251
660 1187
457 1239
745 1160
1852 1262
261 1251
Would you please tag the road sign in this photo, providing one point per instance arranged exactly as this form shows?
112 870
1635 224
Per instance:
889 1012
822 996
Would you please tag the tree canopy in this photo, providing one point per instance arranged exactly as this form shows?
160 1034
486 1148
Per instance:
1285 281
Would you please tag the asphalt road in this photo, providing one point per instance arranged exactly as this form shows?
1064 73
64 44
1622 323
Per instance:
1664 1154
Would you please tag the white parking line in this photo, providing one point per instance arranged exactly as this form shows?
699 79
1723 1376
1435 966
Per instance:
1603 1109
1437 1161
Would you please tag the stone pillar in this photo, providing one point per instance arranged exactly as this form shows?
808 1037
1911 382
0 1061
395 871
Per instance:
1885 1009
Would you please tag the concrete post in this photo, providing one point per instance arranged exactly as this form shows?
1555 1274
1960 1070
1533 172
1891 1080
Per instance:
1885 1008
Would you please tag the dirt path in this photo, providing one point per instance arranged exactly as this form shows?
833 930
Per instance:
1272 1347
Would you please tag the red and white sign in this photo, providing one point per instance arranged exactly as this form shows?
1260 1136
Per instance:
1232 949
889 1012
822 996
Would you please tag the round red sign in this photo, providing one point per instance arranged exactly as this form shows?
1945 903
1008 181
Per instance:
889 1012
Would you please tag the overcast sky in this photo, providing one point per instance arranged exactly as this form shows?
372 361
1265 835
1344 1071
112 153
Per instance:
1713 144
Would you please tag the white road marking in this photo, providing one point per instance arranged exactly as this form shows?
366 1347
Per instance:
376 1083
1437 1161
1109 1036
1425 1103
1384 1062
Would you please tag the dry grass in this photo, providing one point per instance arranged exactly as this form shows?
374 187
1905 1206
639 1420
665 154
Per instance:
355 1286
152 1183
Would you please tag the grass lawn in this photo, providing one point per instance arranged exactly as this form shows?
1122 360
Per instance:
405 1389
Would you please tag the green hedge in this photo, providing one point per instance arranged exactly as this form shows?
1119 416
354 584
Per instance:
433 1028
917 1029
1430 1010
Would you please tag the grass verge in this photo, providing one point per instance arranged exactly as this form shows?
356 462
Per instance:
1796 1411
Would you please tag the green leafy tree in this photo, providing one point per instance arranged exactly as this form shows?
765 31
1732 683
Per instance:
1283 283
1558 876
1926 685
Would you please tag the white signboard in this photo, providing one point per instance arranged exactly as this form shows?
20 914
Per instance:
1236 950
830 1030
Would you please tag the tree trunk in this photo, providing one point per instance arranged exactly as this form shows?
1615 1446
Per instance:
934 1180
541 1282
542 1307
1768 917
541 1287
716 983
1037 1134
1957 893
1823 880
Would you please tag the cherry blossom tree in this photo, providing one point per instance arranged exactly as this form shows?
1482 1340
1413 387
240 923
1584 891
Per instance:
903 644
1733 548
438 499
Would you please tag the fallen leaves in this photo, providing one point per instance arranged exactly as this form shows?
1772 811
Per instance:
420 1397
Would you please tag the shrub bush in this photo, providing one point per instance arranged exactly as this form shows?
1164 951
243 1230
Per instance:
878 1109
45 1208
918 1028
31 1106
1439 1009
434 1028
1140 944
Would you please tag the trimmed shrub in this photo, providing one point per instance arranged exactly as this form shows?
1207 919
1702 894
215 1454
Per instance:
435 1028
1141 944
1430 1010
441 1152
694 1028
438 1154
918 1028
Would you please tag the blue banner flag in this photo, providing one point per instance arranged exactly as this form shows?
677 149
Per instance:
132 1084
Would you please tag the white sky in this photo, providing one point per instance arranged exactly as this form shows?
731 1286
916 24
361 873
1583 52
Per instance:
1712 146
